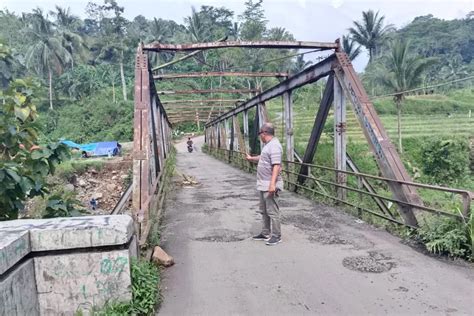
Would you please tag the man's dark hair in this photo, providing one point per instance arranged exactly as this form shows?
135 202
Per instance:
268 128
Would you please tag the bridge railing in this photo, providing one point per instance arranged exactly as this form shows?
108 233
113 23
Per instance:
151 148
373 198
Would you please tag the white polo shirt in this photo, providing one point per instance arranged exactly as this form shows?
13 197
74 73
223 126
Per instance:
271 155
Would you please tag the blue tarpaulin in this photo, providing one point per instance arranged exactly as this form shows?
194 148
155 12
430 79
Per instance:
95 149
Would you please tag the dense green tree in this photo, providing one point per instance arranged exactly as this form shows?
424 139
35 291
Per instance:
67 26
300 64
253 21
163 31
7 63
46 54
23 164
83 81
370 32
402 71
64 19
197 30
11 27
113 46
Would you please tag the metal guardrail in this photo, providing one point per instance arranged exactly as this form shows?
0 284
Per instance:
124 199
466 196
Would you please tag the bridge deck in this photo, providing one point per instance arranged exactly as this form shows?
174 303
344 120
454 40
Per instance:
328 263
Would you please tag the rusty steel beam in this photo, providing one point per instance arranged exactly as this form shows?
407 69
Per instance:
208 91
188 118
157 46
220 74
201 112
203 101
310 74
386 155
317 130
177 60
199 107
193 113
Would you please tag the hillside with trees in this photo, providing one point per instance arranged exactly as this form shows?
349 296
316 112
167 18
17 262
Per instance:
83 63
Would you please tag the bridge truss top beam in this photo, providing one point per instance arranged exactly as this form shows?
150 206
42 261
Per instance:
220 74
158 47
206 91
206 101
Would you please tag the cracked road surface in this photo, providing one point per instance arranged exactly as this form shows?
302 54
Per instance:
327 264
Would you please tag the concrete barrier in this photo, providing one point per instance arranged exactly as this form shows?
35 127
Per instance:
63 265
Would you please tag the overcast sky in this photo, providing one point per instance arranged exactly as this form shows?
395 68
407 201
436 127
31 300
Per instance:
307 20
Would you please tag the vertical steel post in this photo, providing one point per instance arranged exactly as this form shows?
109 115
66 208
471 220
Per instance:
288 104
260 122
340 138
141 131
217 129
246 130
197 120
226 128
232 137
163 135
288 128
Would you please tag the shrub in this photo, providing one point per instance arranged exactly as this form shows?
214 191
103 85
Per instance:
445 161
63 205
447 236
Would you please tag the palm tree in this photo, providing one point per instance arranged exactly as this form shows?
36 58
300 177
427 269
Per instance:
46 54
159 32
67 25
348 45
370 32
197 31
300 64
196 27
65 19
401 72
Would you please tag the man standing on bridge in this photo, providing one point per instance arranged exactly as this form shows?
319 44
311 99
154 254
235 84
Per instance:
269 183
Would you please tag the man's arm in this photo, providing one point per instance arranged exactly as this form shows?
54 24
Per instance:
275 172
252 158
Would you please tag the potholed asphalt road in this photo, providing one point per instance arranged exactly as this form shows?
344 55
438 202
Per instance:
329 263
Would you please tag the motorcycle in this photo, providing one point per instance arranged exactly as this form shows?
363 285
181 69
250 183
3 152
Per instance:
190 148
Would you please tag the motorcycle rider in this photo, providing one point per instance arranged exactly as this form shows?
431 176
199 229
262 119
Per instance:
190 144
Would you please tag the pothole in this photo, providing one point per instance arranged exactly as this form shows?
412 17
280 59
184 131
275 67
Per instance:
327 238
230 196
238 182
211 211
375 262
224 236
307 221
250 198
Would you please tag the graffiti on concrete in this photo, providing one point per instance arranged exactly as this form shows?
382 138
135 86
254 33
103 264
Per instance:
117 265
87 279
